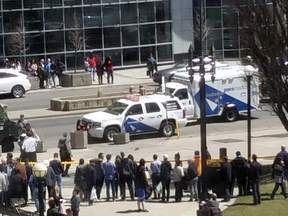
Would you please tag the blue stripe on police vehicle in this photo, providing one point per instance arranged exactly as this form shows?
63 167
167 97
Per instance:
135 126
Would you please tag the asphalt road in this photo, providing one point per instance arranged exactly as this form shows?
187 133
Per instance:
51 129
38 99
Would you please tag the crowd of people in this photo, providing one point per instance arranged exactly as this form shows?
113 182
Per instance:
96 66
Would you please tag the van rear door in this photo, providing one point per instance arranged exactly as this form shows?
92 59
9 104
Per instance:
186 100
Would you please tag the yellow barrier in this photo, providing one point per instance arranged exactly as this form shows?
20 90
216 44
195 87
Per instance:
177 129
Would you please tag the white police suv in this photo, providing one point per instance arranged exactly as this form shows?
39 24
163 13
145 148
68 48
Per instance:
134 115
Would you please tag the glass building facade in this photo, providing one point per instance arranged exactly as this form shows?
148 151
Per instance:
124 29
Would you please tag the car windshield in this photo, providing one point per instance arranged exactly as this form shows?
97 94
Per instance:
181 64
116 108
169 91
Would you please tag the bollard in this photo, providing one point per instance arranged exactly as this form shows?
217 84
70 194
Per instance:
142 91
141 86
222 152
131 89
41 147
79 139
121 138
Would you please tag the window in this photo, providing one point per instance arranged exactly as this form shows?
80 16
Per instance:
92 16
111 37
11 20
213 3
116 108
131 56
115 55
53 19
214 17
7 75
147 34
164 53
111 15
146 12
71 46
73 17
54 41
163 11
130 36
33 20
230 18
32 3
72 2
231 39
12 4
128 13
93 39
164 33
171 105
36 43
71 61
152 107
182 94
91 1
145 52
135 110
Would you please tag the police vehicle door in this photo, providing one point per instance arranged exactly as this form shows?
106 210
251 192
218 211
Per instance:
153 115
134 122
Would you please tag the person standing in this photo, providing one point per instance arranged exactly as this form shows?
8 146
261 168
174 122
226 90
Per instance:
117 174
192 176
126 176
16 188
109 170
57 167
79 179
177 178
41 73
21 123
29 147
34 68
99 174
93 61
48 73
60 67
284 155
50 179
64 146
166 168
99 69
33 182
53 69
226 173
151 65
238 166
141 184
75 202
109 65
52 210
255 173
155 167
90 177
198 163
23 173
2 185
278 174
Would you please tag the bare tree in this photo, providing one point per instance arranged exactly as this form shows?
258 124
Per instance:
19 41
264 31
76 36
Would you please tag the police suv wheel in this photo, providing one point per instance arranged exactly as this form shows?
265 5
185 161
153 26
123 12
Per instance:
231 115
109 133
168 129
18 91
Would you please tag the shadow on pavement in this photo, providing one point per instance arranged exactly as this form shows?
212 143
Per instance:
127 211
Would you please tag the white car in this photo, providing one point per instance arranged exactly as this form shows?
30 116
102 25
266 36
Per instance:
13 82
134 115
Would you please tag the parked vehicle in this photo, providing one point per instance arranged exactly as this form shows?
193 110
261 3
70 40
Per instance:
13 82
135 115
169 73
8 131
226 96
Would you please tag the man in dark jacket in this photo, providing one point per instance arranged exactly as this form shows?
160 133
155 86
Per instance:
90 177
283 154
165 177
64 146
256 171
60 67
99 174
126 176
57 167
226 172
238 166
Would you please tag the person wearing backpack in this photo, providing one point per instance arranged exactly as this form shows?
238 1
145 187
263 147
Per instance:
64 146
126 176
192 176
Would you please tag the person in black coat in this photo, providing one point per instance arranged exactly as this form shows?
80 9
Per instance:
90 177
16 187
238 166
126 176
166 168
256 171
226 173
99 174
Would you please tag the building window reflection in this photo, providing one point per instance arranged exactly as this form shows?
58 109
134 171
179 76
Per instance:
115 55
54 41
111 15
164 33
53 19
93 39
12 4
33 20
164 53
147 34
146 12
51 3
92 16
131 56
130 35
36 42
128 13
111 37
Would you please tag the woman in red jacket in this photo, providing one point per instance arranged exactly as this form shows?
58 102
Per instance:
93 62
109 69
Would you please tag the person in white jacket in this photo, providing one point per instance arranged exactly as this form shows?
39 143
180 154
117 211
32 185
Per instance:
178 174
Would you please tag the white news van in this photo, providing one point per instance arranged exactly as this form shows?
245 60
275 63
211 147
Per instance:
226 96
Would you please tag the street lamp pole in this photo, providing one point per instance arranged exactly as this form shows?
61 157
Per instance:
249 70
249 116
